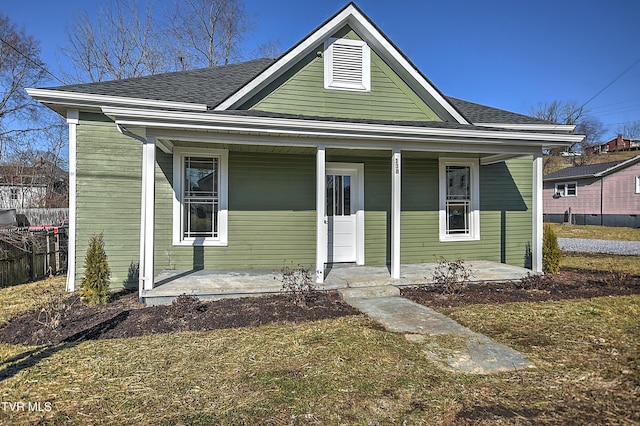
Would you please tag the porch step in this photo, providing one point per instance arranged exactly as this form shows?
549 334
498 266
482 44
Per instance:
369 292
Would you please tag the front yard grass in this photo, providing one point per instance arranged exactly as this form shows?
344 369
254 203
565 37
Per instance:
596 232
343 371
602 262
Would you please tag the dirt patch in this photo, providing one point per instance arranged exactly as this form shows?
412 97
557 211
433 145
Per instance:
569 283
124 317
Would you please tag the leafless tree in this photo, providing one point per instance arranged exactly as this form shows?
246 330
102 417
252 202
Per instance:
119 42
571 113
127 39
206 33
20 66
560 112
630 130
593 130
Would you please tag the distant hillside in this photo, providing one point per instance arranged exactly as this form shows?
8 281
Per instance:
555 163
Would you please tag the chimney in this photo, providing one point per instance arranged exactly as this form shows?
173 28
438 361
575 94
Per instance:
619 141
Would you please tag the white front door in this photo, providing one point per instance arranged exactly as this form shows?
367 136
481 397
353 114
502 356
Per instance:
341 205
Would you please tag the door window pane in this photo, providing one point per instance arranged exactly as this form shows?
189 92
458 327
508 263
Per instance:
338 195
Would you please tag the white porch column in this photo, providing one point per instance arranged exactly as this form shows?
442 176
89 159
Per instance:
396 173
147 214
321 226
536 244
73 118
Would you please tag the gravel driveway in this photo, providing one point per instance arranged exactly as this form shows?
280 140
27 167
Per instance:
600 246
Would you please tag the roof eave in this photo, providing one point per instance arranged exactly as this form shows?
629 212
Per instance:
211 121
565 128
93 102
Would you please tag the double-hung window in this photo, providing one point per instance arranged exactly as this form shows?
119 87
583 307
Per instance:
459 193
568 189
200 202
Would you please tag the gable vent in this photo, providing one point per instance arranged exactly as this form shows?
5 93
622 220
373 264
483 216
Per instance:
347 65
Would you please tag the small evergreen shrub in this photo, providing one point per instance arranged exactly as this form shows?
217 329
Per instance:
94 289
551 255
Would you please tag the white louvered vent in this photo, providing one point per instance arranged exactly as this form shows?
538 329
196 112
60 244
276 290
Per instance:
347 65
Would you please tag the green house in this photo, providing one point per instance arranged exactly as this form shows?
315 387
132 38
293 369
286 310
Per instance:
338 151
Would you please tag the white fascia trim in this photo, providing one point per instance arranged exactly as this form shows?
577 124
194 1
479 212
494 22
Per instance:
86 99
533 127
209 121
368 32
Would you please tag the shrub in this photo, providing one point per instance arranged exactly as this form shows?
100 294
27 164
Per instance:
551 255
54 305
95 282
298 283
533 282
452 276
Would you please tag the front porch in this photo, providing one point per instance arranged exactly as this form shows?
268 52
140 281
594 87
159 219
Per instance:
214 285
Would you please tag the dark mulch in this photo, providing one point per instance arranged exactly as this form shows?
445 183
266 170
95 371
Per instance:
124 317
569 283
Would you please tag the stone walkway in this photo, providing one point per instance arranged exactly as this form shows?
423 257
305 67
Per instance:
397 314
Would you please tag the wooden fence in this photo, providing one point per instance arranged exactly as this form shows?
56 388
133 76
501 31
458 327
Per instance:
28 256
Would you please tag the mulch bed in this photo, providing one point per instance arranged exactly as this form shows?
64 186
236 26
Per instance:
569 283
124 317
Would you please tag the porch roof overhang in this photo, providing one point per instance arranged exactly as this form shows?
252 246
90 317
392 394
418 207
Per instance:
292 131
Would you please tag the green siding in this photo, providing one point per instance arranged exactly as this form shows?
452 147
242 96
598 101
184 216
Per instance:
272 208
108 196
301 91
505 206
272 220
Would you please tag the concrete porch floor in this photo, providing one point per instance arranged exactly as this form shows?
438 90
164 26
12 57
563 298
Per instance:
214 285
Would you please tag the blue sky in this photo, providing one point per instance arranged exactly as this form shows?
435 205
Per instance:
510 54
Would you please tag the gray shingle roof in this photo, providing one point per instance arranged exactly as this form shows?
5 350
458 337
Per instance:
590 170
210 86
477 113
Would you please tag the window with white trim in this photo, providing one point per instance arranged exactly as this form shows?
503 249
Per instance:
566 189
459 200
637 184
347 65
200 202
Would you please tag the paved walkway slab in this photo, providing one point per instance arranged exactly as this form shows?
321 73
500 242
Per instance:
482 354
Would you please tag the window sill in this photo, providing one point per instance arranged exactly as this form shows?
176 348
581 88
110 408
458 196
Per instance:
452 239
200 243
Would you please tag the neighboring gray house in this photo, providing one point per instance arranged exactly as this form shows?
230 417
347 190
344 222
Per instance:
338 151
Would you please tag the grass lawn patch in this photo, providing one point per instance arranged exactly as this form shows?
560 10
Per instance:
19 299
341 371
596 232
602 262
